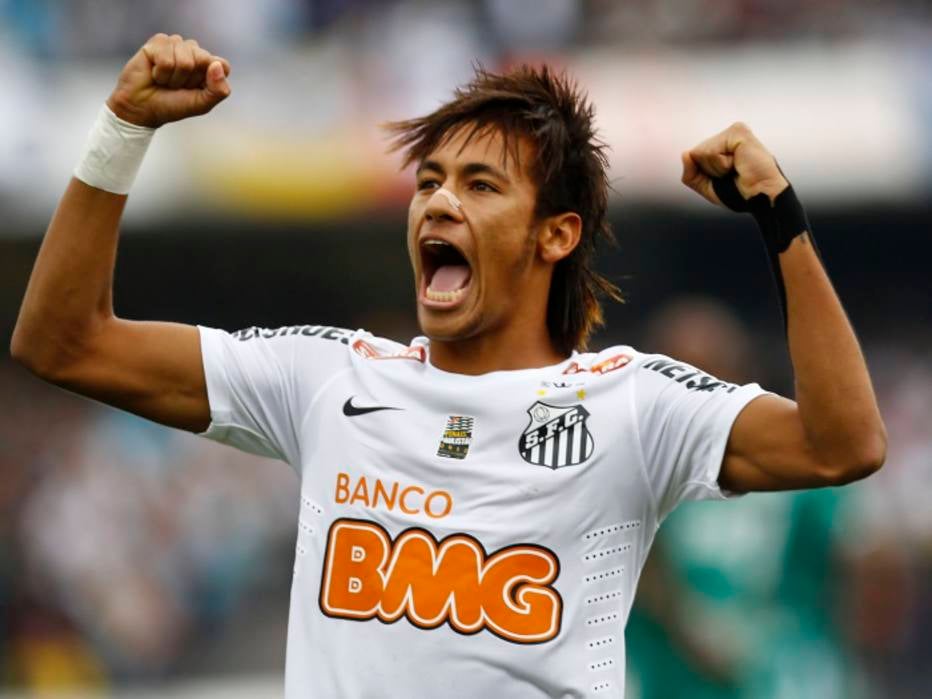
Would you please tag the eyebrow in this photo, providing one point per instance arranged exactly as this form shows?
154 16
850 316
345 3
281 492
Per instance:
467 170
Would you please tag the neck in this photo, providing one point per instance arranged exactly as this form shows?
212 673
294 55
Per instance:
514 347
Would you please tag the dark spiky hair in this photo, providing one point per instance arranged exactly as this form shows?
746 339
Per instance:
569 169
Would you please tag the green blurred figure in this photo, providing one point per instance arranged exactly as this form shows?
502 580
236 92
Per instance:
739 600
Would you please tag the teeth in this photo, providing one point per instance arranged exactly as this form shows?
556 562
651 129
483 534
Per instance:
443 295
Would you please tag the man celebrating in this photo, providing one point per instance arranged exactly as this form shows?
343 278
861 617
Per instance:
476 506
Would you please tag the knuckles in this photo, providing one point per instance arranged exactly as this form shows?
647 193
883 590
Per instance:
169 62
162 50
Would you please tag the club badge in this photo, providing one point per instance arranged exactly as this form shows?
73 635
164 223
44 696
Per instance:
454 443
556 436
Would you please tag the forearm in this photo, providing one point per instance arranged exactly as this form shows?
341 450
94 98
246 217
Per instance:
836 400
832 433
69 291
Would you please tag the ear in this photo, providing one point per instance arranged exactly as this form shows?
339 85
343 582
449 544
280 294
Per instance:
559 236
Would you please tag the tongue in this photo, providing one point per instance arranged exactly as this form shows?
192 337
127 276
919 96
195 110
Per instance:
450 278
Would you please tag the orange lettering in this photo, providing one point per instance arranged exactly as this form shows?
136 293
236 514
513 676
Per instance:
367 575
446 510
356 551
430 585
409 499
360 492
342 487
404 494
515 594
380 488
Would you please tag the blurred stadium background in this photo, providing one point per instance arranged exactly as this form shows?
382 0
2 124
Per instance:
140 561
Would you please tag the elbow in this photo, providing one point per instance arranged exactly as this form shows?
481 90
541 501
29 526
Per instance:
21 352
873 450
863 459
29 356
43 357
25 345
56 351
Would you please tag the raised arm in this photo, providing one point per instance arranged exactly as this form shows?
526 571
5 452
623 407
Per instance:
833 433
66 332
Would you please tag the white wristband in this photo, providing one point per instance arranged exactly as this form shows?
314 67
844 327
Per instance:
113 153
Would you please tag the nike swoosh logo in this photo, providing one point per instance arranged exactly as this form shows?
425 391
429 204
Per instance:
351 410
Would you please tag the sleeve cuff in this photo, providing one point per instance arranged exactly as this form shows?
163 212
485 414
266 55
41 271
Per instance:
706 487
217 392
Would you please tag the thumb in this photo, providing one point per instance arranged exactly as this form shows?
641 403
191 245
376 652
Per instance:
216 88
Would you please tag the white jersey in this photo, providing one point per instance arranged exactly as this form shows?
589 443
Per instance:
466 536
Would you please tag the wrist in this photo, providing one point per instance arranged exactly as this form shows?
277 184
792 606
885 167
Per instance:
774 188
113 152
777 211
124 110
781 218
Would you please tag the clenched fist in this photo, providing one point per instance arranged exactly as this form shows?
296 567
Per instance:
734 151
169 79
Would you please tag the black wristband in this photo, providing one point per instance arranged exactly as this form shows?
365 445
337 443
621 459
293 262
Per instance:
780 223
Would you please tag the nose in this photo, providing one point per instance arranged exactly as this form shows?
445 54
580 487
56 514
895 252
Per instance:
444 206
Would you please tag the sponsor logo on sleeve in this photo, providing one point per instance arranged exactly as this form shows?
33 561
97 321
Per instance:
367 575
325 332
556 436
456 437
689 376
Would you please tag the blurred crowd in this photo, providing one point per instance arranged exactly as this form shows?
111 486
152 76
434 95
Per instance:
313 79
792 595
128 550
91 28
124 545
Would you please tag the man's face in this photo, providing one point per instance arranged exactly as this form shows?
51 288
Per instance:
474 264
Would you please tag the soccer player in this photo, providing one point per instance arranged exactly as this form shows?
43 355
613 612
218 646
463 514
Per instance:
476 505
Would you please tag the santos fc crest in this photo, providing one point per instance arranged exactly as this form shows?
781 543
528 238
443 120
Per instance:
556 436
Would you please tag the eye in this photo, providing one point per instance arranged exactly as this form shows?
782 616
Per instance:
483 186
427 183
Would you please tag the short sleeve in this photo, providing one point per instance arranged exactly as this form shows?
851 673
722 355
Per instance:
260 382
684 420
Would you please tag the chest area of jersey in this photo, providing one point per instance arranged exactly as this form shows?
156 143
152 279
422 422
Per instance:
381 446
441 508
541 460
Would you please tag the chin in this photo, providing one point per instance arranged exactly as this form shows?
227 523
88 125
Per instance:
451 328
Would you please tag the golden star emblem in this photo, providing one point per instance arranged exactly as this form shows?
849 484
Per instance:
581 393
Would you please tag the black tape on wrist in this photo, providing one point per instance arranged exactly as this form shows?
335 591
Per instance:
780 223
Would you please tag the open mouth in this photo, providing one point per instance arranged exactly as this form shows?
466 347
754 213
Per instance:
446 271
